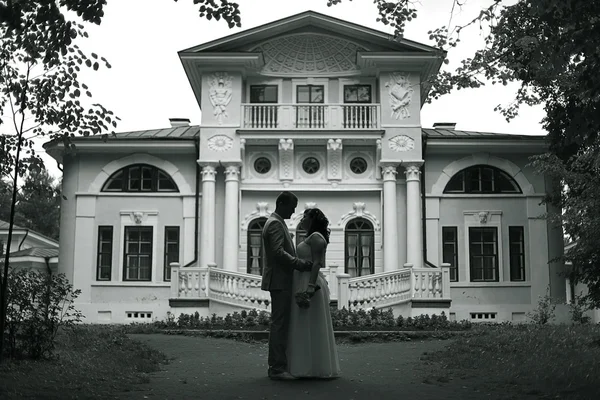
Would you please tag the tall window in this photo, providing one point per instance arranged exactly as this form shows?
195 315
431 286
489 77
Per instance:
516 239
255 253
482 179
137 263
140 178
483 253
450 250
359 245
263 94
105 252
311 115
171 249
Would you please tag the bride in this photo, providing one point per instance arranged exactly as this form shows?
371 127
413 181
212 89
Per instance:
311 351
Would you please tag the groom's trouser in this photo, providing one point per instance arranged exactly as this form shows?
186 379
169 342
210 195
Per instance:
281 303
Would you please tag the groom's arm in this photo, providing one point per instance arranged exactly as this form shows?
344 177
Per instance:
276 237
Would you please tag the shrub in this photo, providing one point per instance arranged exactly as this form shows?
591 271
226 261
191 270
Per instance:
38 305
578 308
544 312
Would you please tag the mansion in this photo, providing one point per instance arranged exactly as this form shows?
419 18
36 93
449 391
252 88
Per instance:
422 220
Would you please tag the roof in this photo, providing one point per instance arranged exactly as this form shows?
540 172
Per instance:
41 252
5 225
452 133
191 132
289 24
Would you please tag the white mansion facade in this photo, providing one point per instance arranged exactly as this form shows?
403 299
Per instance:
423 220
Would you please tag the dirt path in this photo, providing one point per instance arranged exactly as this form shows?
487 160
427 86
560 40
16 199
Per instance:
207 368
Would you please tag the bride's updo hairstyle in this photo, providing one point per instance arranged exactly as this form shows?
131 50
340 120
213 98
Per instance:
319 223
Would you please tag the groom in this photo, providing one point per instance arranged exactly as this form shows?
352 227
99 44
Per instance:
279 262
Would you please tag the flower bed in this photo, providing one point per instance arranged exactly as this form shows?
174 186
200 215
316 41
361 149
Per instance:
374 320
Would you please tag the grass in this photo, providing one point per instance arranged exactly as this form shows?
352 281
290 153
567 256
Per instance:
90 362
554 361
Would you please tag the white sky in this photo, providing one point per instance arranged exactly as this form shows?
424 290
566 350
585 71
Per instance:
147 85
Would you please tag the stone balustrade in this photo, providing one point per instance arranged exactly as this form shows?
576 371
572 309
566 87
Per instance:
311 116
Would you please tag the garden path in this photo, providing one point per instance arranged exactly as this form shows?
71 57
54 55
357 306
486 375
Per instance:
210 368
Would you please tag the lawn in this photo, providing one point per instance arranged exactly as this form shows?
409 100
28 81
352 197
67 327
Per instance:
554 361
90 362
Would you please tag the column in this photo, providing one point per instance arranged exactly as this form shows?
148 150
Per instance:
207 234
390 219
231 231
414 234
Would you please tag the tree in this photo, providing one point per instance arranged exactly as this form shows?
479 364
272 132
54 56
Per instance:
39 203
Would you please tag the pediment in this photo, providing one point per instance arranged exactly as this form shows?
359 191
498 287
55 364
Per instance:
307 22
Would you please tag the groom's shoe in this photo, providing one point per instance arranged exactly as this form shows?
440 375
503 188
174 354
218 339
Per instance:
280 376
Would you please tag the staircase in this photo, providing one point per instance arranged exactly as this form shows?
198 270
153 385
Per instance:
408 291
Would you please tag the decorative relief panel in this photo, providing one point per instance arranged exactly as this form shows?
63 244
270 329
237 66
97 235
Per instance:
286 159
309 53
400 95
220 143
358 211
262 210
220 93
334 159
401 143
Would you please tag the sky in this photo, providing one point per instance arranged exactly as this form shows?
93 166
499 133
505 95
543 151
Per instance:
147 84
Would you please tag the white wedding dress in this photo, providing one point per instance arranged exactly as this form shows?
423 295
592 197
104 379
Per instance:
311 348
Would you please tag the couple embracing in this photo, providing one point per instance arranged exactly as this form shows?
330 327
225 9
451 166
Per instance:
301 340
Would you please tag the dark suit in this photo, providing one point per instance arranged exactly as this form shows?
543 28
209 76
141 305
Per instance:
279 262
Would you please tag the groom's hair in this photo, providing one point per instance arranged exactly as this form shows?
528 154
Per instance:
285 198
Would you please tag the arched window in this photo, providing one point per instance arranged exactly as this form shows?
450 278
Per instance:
300 234
482 179
140 178
255 253
359 245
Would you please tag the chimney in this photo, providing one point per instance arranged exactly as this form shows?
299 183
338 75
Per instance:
444 125
177 122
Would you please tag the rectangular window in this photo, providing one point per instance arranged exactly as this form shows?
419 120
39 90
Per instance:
171 249
516 240
357 94
263 93
105 252
483 254
310 94
450 250
137 260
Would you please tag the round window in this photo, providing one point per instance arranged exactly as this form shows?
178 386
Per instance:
358 165
310 165
262 165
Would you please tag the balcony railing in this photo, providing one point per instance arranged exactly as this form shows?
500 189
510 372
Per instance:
311 116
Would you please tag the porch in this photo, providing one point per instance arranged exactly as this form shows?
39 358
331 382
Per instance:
408 291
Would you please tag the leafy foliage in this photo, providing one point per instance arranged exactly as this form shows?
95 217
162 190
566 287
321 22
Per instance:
544 312
38 305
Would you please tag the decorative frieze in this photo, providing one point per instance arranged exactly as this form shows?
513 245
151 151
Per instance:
334 159
286 159
400 94
220 93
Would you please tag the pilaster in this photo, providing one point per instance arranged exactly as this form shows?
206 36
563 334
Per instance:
286 161
334 160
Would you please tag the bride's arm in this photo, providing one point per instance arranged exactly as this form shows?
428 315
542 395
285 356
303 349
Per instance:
317 248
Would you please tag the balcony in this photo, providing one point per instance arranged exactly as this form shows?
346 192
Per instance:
311 116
